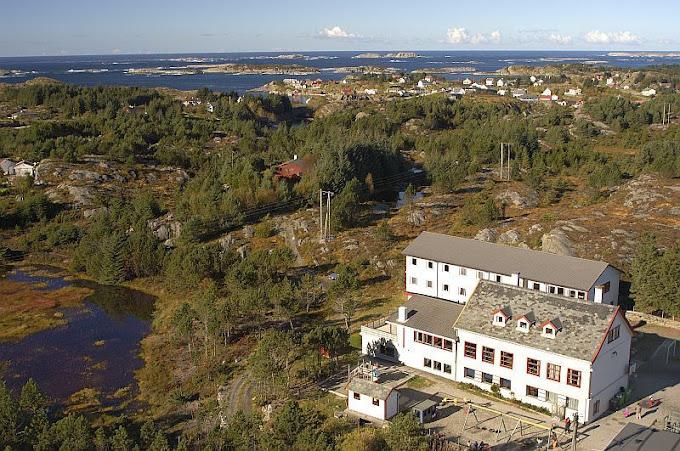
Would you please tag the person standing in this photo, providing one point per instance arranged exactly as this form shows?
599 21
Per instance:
638 411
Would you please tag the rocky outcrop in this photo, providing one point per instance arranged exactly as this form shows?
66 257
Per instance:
166 227
490 235
416 218
509 237
526 200
557 242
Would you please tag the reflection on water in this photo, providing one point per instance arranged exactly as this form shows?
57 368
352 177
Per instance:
98 347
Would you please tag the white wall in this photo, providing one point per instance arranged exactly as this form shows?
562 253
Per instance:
412 353
423 274
518 374
383 411
610 369
612 276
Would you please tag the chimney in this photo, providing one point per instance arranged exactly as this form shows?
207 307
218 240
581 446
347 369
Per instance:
402 314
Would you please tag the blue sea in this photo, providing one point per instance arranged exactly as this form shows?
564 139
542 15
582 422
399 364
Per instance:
111 69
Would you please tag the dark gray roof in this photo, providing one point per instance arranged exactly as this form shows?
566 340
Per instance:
634 437
369 388
583 323
570 272
432 315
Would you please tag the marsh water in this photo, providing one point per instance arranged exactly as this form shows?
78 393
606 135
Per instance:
98 348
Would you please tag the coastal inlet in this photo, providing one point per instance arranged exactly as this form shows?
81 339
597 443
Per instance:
86 359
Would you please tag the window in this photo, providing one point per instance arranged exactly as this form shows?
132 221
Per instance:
551 289
414 281
505 383
447 368
376 402
437 365
533 367
537 286
462 291
613 334
429 284
500 319
572 403
357 395
469 373
506 359
414 262
430 265
499 278
462 271
606 287
436 342
574 378
448 345
549 331
480 275
470 350
446 268
446 287
572 293
532 391
487 378
487 354
553 372
581 295
560 291
596 407
427 363
523 326
551 397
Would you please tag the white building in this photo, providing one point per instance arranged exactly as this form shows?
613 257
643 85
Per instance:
500 83
449 268
573 92
489 81
562 354
7 166
467 82
372 399
650 92
24 169
420 335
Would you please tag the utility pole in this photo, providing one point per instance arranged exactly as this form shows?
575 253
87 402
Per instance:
505 170
502 158
573 438
325 218
509 148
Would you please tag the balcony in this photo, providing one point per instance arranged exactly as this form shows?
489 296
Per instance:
380 328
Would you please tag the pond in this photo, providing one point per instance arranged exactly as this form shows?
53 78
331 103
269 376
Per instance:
97 348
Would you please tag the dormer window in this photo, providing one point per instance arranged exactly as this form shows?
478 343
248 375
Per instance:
550 328
501 316
525 322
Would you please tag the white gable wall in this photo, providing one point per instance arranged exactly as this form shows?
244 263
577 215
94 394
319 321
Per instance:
611 275
385 409
610 368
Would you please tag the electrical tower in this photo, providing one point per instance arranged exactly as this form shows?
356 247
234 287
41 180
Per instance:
506 170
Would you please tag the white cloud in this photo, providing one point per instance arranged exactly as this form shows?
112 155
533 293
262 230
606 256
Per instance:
336 33
619 37
560 39
460 35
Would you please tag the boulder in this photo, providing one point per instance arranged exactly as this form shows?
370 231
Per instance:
416 218
490 235
166 227
527 200
248 231
509 237
557 242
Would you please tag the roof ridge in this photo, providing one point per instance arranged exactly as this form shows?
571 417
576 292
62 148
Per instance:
507 246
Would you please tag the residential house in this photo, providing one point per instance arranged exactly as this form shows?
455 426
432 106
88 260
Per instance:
501 92
424 83
294 169
24 169
519 92
573 92
489 81
649 92
500 83
565 355
449 268
467 82
372 399
7 166
210 108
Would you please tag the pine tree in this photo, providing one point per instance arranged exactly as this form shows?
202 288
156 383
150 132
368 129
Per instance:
113 259
645 274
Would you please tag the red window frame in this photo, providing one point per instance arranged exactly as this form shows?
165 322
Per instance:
470 350
488 354
533 363
553 367
573 378
507 359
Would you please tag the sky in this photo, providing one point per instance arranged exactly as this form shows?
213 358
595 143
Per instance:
73 27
